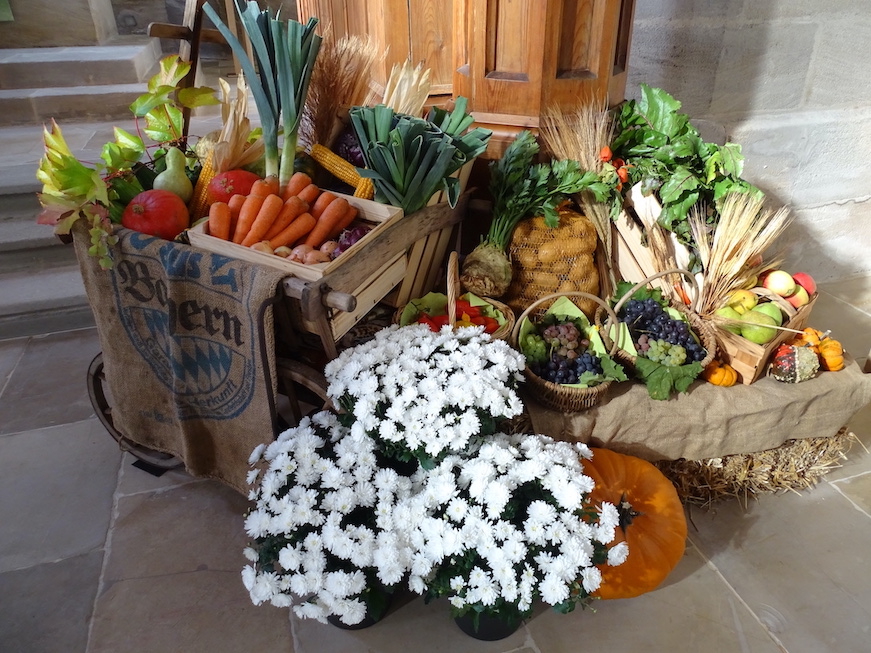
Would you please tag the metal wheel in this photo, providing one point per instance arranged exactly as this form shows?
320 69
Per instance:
96 392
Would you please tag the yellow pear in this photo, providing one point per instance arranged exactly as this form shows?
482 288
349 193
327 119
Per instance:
742 300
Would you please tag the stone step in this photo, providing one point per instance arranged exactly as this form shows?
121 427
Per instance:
83 84
41 288
106 102
43 301
97 65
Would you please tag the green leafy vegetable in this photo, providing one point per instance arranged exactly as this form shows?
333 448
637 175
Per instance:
669 157
522 188
661 380
409 159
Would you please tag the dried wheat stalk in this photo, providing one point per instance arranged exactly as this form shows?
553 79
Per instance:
340 80
732 253
580 136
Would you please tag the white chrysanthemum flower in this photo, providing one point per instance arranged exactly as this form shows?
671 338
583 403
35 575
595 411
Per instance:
591 579
457 601
257 523
618 553
456 509
553 589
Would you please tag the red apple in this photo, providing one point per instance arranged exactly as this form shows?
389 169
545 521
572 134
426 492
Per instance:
799 298
779 282
806 281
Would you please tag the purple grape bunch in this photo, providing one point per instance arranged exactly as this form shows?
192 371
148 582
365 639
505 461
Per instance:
570 356
658 336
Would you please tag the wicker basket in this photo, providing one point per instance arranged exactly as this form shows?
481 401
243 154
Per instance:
454 292
554 395
703 328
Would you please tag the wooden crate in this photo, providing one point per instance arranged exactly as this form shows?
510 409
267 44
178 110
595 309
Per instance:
427 256
374 214
751 360
370 290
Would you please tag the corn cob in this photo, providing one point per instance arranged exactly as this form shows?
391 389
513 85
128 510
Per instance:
343 170
199 204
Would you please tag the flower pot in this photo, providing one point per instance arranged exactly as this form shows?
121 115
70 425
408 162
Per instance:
489 628
377 604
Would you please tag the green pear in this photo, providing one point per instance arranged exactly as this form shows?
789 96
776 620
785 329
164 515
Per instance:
730 314
771 309
762 328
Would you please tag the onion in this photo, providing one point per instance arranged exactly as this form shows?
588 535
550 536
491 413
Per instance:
283 251
316 256
262 246
329 247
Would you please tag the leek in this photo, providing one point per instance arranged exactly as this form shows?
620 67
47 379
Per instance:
284 57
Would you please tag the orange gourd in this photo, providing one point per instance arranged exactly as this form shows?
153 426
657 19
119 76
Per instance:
652 522
809 337
831 354
721 374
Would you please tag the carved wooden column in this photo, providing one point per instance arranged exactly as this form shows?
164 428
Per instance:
415 30
511 58
514 59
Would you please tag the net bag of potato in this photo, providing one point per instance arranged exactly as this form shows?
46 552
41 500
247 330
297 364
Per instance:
549 260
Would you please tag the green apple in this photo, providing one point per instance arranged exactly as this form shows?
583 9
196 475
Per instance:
762 328
771 309
730 314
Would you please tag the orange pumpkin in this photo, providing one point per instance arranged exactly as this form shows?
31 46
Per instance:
652 522
719 373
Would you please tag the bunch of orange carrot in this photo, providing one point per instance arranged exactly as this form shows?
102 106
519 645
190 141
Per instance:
266 220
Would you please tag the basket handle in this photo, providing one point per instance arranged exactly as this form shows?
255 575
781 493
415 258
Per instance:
612 316
638 286
453 286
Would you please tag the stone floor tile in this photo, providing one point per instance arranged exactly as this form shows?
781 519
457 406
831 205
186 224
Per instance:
56 487
47 608
858 490
48 385
198 526
196 611
693 610
10 353
799 561
134 480
172 578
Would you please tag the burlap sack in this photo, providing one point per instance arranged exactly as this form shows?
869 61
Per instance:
547 260
711 421
188 350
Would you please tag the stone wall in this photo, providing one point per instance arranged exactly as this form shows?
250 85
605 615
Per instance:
789 81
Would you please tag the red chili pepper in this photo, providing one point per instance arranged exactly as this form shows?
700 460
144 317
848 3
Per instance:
424 318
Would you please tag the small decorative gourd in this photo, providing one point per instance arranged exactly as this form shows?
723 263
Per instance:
721 374
174 178
831 355
810 337
794 364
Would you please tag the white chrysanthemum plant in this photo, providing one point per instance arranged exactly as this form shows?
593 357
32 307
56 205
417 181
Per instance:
323 535
508 525
422 395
